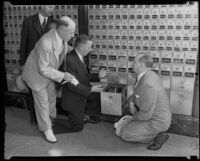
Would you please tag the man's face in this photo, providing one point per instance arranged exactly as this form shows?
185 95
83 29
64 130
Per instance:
67 33
137 65
48 9
86 48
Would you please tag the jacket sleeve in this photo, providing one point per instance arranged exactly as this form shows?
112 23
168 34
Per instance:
147 103
44 60
24 42
80 89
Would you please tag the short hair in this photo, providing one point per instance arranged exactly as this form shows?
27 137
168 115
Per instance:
82 39
146 59
64 21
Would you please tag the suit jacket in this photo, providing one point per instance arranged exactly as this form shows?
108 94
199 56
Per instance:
152 101
31 32
42 63
74 98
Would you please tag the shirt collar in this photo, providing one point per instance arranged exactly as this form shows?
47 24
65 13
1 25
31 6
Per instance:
41 18
79 55
140 76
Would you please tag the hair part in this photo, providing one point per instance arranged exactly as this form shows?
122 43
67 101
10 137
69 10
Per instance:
61 23
146 59
82 39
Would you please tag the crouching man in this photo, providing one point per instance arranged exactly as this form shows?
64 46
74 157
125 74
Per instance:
150 113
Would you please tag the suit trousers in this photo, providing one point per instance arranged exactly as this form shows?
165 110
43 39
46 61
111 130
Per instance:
138 131
45 106
76 119
93 105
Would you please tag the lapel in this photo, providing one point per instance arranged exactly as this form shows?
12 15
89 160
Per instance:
140 82
36 24
56 50
80 63
63 54
55 45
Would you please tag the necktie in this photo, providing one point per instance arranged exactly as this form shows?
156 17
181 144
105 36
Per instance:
83 60
44 24
136 80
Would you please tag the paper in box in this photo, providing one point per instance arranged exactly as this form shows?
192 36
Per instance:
122 76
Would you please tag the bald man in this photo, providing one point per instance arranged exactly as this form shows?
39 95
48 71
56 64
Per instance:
33 28
149 108
41 72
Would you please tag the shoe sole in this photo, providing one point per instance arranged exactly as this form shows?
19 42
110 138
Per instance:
160 146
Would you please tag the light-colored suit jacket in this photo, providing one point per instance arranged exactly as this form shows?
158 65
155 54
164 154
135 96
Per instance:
152 101
42 64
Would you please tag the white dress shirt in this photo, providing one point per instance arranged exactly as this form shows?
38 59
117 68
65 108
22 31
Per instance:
80 56
41 18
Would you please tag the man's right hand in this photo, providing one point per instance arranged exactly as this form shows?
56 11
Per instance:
131 107
68 77
97 88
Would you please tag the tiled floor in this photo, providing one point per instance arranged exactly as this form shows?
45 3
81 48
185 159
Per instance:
23 139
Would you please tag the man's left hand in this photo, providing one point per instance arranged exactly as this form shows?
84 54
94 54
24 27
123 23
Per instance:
103 73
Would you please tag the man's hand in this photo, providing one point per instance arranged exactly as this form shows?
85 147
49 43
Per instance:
103 73
97 88
74 81
70 78
131 107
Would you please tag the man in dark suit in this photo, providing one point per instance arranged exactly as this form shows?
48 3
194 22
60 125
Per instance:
33 28
83 98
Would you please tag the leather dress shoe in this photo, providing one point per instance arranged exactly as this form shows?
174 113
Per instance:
33 122
49 136
158 141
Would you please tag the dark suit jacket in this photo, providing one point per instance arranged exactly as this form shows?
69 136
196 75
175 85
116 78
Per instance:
74 98
31 32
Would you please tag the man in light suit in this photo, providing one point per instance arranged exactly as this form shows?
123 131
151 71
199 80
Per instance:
33 28
149 107
82 98
41 71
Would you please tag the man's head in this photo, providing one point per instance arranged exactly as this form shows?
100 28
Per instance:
83 44
142 62
65 27
47 10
